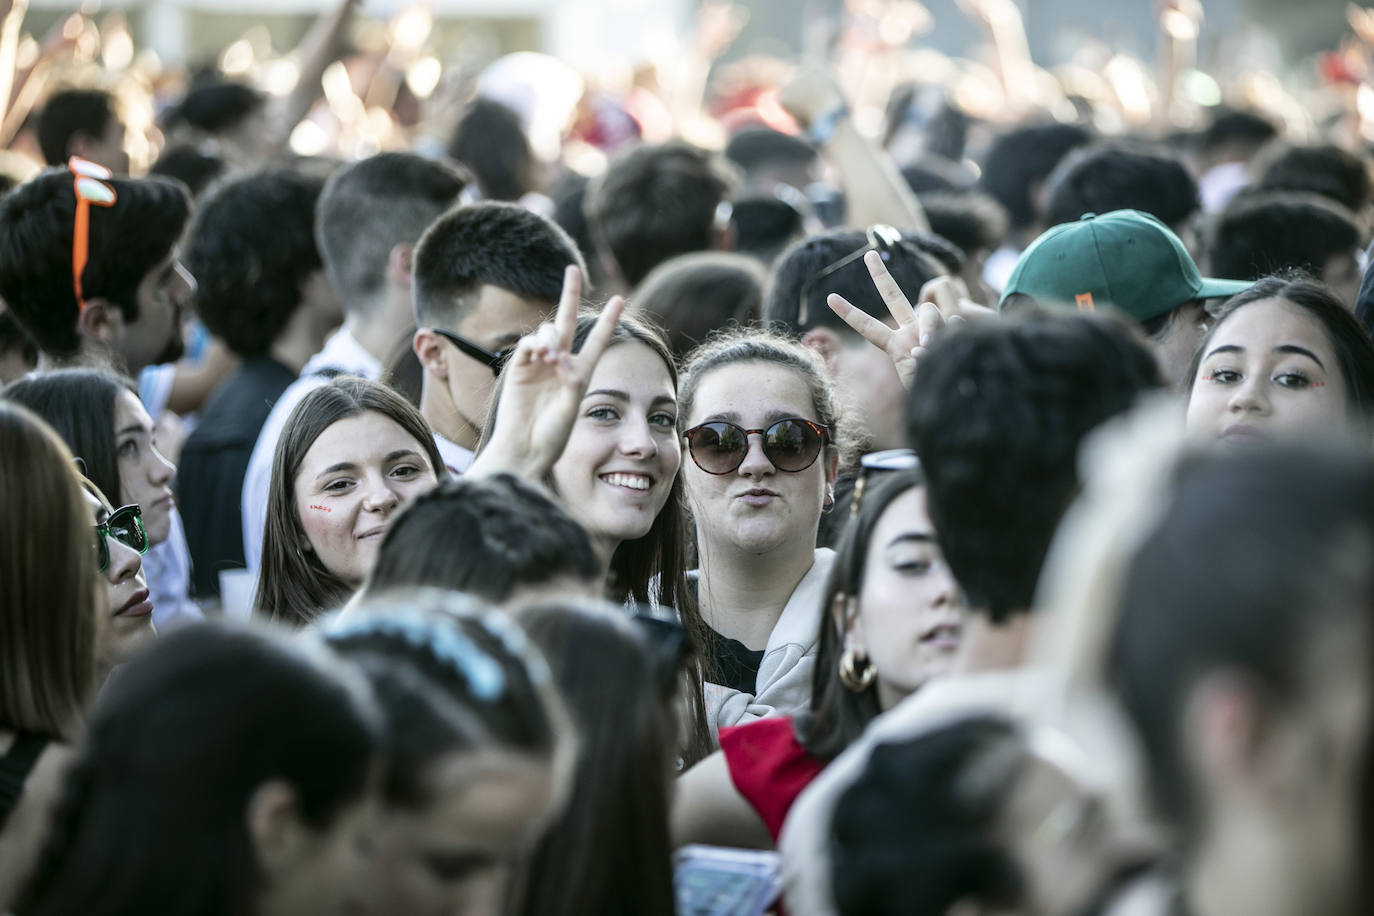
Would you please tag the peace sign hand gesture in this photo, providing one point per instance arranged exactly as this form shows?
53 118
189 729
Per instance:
542 387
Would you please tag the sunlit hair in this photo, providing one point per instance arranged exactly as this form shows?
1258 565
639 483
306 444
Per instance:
294 586
48 600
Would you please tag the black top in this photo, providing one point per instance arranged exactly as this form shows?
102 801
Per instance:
214 461
15 767
733 664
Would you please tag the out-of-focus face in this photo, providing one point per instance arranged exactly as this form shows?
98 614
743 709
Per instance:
164 293
1342 273
1270 372
757 508
130 621
145 476
617 470
326 872
454 856
353 480
865 378
910 618
1057 830
1176 343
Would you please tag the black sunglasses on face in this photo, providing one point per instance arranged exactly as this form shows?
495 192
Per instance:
791 444
125 525
882 239
493 361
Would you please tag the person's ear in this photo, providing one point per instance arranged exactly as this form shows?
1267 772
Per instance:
1221 731
430 350
844 610
399 264
274 826
825 342
101 322
832 469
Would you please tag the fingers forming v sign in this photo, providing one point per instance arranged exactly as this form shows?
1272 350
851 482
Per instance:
543 385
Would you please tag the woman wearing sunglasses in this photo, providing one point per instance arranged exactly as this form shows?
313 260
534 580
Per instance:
48 628
120 543
764 440
101 419
892 619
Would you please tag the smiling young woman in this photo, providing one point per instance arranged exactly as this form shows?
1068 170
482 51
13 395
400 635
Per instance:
353 454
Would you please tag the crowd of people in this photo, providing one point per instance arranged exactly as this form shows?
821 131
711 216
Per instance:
805 490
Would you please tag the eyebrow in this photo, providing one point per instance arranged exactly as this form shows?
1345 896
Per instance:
130 430
1281 348
773 416
624 396
918 536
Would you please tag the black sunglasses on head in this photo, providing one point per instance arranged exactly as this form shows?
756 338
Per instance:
125 525
791 444
882 239
494 361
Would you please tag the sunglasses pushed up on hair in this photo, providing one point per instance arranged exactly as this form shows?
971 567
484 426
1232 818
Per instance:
791 444
125 525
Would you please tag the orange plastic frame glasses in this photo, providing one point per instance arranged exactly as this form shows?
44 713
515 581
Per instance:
90 187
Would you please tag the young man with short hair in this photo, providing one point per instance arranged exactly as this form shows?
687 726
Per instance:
485 275
95 280
85 123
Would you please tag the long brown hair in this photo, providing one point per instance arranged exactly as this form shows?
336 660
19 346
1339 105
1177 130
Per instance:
294 586
48 602
652 568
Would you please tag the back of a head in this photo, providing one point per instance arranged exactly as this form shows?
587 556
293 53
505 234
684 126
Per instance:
693 295
796 286
192 166
1120 176
913 836
1235 134
1269 232
759 151
251 250
490 140
214 107
126 241
150 774
47 622
610 851
1258 605
657 201
970 220
1023 157
488 244
1336 174
369 207
511 537
997 420
67 113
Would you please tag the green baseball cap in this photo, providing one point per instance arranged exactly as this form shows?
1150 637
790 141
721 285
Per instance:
1125 259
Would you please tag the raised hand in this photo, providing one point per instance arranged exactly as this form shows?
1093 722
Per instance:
944 304
542 387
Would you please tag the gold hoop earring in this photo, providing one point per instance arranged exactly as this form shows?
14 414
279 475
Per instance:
857 672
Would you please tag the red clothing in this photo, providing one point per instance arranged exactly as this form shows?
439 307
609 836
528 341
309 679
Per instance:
768 766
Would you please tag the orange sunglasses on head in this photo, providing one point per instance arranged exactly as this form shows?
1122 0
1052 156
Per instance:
89 186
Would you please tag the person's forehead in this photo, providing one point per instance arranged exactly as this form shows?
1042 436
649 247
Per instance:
753 388
496 310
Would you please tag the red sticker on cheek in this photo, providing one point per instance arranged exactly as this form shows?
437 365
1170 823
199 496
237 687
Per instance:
322 508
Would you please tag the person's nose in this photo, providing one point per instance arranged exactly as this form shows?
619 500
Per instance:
1250 396
756 463
637 439
380 496
125 562
162 470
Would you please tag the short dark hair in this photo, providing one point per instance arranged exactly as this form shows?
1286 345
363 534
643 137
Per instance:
1022 156
1235 128
971 220
127 240
508 533
908 262
836 715
757 147
1120 175
1354 349
610 852
13 338
908 835
146 774
69 112
1191 604
79 404
490 140
656 201
490 243
214 107
932 172
1265 233
569 198
997 421
192 166
251 250
371 206
764 225
1336 174
432 704
692 295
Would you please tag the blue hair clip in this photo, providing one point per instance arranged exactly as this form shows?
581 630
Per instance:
484 675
